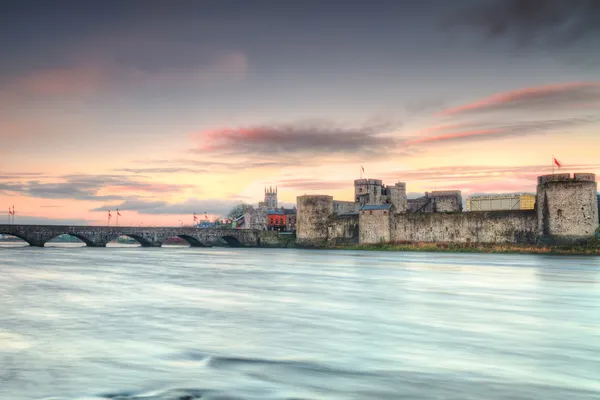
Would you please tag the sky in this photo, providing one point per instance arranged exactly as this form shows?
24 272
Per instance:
163 109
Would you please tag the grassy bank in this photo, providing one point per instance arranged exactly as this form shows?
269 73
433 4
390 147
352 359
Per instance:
591 248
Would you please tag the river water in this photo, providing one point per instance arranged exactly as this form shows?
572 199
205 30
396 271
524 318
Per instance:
225 323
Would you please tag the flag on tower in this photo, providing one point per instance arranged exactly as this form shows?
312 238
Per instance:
109 215
558 164
10 212
118 213
195 218
363 168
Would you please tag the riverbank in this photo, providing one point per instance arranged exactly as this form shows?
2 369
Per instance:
592 248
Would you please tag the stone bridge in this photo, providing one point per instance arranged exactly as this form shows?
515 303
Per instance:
99 236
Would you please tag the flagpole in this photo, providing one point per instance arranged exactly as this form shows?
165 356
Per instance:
553 164
13 214
117 217
108 218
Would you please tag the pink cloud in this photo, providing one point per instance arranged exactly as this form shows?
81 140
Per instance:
439 128
305 138
514 129
454 136
558 95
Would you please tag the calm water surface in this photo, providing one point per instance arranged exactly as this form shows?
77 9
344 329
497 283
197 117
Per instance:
187 323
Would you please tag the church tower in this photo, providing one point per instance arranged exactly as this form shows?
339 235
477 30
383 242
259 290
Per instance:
271 197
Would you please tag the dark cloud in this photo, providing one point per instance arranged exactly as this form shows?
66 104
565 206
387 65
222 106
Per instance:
190 206
133 205
306 138
554 22
87 187
64 190
578 95
17 175
11 187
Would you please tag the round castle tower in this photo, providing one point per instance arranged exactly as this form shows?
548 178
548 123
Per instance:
312 218
567 206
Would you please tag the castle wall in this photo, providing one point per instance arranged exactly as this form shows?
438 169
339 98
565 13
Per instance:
312 220
422 203
450 201
345 207
397 196
343 230
374 226
480 227
437 201
566 210
567 206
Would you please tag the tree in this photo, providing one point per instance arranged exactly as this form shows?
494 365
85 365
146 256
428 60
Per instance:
238 211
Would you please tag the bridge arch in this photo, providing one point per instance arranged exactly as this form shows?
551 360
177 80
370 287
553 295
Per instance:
192 241
141 240
22 237
57 239
232 241
84 239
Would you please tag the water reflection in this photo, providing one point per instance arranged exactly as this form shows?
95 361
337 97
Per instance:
214 323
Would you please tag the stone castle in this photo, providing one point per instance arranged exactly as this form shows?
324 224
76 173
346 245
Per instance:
566 210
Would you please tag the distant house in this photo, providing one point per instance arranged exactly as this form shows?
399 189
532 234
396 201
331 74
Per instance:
281 220
276 220
290 219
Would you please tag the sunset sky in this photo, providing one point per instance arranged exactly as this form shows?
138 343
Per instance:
166 108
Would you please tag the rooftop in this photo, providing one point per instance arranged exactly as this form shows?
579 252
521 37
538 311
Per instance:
281 211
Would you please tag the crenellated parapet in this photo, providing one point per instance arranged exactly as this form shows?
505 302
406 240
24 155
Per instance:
566 211
567 207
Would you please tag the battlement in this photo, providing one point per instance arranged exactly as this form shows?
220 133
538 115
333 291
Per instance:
372 182
443 193
564 209
315 197
577 177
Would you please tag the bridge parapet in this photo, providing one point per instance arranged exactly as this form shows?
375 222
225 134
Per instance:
99 236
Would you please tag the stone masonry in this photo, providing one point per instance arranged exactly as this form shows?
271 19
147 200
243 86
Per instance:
566 211
567 206
99 236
